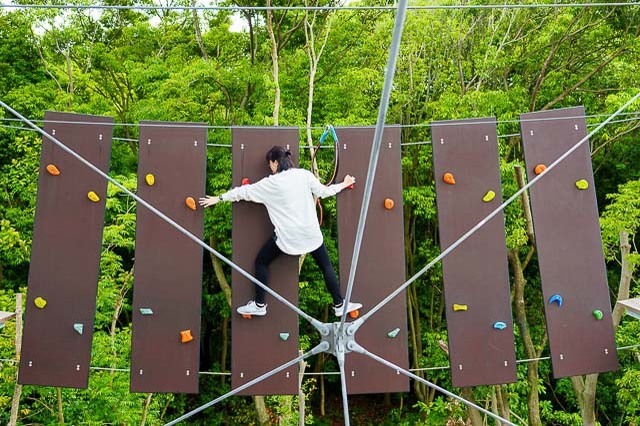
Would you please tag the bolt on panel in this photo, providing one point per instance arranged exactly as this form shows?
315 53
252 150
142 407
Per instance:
569 244
65 255
165 341
476 276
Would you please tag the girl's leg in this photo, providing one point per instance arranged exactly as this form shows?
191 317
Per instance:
266 255
321 256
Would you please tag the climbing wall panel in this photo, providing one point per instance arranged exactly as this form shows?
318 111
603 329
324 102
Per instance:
476 276
165 341
65 255
381 266
569 245
257 344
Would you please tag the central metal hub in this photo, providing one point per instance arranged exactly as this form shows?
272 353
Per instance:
339 339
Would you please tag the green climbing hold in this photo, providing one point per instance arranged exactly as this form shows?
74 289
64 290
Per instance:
79 328
490 195
582 184
284 336
146 311
598 314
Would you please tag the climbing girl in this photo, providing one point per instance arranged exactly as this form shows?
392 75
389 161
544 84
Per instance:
288 196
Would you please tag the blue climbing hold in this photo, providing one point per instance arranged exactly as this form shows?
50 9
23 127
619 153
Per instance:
556 298
499 325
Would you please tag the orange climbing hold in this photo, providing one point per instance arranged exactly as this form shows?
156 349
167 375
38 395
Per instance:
185 336
539 169
388 203
93 196
191 203
53 170
448 178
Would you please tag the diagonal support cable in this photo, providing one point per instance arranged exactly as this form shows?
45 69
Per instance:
323 346
322 328
375 149
355 347
354 326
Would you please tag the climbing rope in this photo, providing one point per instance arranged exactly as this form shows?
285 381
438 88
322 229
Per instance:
328 130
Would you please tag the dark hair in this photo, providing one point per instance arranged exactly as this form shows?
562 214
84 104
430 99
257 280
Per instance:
282 156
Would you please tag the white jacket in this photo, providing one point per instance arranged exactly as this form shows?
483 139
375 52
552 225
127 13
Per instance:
288 197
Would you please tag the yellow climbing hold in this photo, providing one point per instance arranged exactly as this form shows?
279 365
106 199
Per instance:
53 170
93 196
457 307
150 179
40 302
582 184
490 195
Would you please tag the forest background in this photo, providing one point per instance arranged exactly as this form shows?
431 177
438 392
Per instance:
307 68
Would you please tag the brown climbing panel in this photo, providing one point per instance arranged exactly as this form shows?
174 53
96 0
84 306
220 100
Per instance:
257 347
569 244
168 265
475 274
65 255
381 266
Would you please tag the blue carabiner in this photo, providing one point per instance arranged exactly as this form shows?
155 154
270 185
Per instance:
328 130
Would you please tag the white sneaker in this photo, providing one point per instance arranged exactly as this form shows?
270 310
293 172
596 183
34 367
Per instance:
352 307
252 309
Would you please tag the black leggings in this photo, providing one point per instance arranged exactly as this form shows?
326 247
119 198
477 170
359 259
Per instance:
270 251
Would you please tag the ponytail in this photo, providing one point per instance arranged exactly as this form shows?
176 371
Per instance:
282 156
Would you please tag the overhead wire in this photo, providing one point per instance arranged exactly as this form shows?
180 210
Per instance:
389 8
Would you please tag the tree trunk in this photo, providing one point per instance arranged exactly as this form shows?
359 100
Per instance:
145 410
261 410
533 402
474 416
198 33
17 390
60 410
274 59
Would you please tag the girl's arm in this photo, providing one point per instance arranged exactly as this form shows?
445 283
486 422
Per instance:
322 191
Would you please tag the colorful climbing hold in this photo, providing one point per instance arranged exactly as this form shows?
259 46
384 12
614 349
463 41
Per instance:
582 184
556 298
79 328
53 170
146 311
284 336
245 181
598 314
150 179
499 325
93 196
393 333
191 203
185 336
539 169
490 195
458 307
448 178
40 302
388 203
